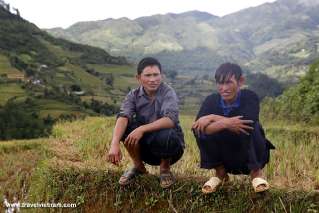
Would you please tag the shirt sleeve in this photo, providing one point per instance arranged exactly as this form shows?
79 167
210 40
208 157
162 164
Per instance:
128 108
170 106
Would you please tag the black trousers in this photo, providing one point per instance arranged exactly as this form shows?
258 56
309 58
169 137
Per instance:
237 153
157 145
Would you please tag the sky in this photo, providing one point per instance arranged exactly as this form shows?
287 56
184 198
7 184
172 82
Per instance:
64 13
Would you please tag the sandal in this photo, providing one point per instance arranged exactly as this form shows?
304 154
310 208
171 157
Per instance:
260 184
167 179
212 184
129 176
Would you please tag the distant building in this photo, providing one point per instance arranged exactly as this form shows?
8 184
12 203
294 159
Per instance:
42 67
36 81
78 93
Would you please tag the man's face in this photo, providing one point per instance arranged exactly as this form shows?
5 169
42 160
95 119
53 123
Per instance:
228 89
150 79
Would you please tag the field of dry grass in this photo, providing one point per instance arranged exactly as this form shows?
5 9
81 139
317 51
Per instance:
71 167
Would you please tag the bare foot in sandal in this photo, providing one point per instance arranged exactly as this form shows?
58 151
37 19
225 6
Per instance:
213 183
130 175
167 179
259 184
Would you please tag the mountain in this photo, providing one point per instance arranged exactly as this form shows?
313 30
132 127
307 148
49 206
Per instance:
279 38
42 77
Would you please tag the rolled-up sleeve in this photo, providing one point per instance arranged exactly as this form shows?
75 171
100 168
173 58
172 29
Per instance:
128 108
170 106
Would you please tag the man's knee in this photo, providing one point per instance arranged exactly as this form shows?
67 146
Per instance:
166 143
131 147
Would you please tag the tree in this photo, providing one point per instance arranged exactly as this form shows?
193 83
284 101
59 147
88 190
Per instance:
264 85
75 87
172 74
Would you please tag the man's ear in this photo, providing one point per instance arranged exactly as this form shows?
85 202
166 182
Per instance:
241 81
163 75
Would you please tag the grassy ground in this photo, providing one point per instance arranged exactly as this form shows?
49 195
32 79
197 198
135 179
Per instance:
71 168
56 108
18 161
5 66
10 90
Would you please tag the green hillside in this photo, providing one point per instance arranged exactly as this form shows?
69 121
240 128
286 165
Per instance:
54 77
298 103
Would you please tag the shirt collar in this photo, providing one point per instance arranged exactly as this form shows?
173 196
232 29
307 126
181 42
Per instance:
227 108
141 91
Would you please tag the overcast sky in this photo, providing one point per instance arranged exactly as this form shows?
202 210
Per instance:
63 13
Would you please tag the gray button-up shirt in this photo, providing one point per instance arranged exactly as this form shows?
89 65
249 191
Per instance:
137 103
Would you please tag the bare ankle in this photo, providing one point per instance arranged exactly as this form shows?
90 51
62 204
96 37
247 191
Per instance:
140 167
255 173
221 172
165 165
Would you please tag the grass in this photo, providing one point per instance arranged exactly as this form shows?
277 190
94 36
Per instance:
123 75
115 69
5 66
18 161
10 90
74 170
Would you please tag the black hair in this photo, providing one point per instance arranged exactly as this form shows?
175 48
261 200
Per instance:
225 71
148 61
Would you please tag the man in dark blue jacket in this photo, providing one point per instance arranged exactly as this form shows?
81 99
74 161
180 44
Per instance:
228 132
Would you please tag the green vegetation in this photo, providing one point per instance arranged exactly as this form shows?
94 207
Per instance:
35 66
17 122
298 103
263 85
71 168
10 90
6 68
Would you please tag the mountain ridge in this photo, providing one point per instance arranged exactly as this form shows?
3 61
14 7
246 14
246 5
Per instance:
253 37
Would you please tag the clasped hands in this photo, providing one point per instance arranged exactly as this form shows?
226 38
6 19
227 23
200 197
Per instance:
234 124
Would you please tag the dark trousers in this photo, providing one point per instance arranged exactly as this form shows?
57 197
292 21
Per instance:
237 153
157 145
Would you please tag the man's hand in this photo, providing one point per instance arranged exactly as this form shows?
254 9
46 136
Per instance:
135 136
200 125
115 154
237 125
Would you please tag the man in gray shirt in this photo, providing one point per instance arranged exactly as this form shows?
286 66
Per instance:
148 125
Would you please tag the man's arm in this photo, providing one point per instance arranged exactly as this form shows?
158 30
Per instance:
115 155
137 134
235 124
168 114
201 123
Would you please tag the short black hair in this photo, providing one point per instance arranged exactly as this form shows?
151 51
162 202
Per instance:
148 61
225 71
